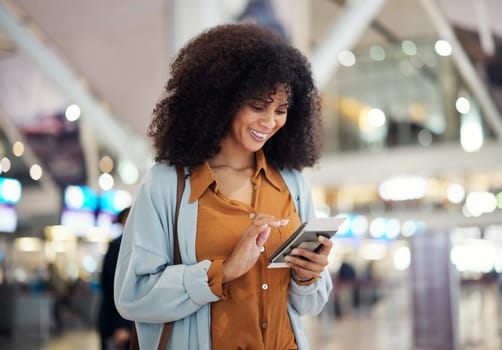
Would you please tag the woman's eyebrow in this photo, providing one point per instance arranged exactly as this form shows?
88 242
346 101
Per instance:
268 101
260 99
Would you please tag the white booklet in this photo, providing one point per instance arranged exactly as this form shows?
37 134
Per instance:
306 237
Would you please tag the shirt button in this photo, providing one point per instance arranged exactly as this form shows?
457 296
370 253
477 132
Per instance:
264 325
252 215
264 286
262 249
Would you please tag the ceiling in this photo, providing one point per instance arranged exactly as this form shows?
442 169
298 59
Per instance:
121 48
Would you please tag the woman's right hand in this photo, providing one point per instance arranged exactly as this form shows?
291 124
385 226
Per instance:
247 250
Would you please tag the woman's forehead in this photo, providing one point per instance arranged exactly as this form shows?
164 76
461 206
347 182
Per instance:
279 92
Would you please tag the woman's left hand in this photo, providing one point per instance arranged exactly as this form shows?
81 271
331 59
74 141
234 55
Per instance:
313 263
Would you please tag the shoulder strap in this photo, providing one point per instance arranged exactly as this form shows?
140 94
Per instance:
179 193
166 331
168 326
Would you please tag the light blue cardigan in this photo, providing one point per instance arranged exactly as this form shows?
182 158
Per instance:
151 292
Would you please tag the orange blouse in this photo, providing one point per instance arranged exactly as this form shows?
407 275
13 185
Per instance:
252 312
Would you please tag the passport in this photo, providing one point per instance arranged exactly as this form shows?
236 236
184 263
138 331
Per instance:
306 237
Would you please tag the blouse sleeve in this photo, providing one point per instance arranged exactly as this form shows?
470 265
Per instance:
148 288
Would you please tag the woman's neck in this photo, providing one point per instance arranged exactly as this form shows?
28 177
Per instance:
233 161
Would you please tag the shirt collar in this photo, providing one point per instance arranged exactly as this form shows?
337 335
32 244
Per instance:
202 176
262 165
200 179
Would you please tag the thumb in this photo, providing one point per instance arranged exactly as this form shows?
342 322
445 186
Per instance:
262 237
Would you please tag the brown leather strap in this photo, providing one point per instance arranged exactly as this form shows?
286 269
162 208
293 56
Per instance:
168 326
133 342
180 188
164 336
166 331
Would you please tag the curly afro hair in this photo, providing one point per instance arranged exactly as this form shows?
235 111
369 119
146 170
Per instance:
213 75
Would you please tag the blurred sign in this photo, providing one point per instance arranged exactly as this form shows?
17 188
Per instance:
85 210
8 218
10 190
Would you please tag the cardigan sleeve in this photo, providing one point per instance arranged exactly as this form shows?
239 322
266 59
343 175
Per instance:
311 298
148 288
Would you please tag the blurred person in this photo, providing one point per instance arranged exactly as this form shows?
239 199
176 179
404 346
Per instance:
114 330
368 285
241 116
346 281
61 294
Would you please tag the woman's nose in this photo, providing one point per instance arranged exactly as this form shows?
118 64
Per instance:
268 120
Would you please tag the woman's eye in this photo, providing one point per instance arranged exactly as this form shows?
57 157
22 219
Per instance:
281 112
257 107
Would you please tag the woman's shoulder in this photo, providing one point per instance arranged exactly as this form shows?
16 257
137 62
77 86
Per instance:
293 176
159 175
161 170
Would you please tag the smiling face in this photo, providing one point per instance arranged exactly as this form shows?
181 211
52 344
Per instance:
257 120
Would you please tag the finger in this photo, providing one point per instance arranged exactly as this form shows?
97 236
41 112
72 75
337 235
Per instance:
270 220
305 265
262 237
254 230
303 273
261 226
308 259
309 255
277 223
263 218
327 244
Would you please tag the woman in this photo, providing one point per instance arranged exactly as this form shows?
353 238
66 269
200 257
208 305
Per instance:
241 115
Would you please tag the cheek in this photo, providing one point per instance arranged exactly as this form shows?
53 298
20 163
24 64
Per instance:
281 122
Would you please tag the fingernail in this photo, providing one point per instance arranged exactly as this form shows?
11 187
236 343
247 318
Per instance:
284 222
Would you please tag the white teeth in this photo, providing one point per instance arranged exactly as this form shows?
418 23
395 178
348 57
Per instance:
259 135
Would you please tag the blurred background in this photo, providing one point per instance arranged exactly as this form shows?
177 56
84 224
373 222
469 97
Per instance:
412 100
